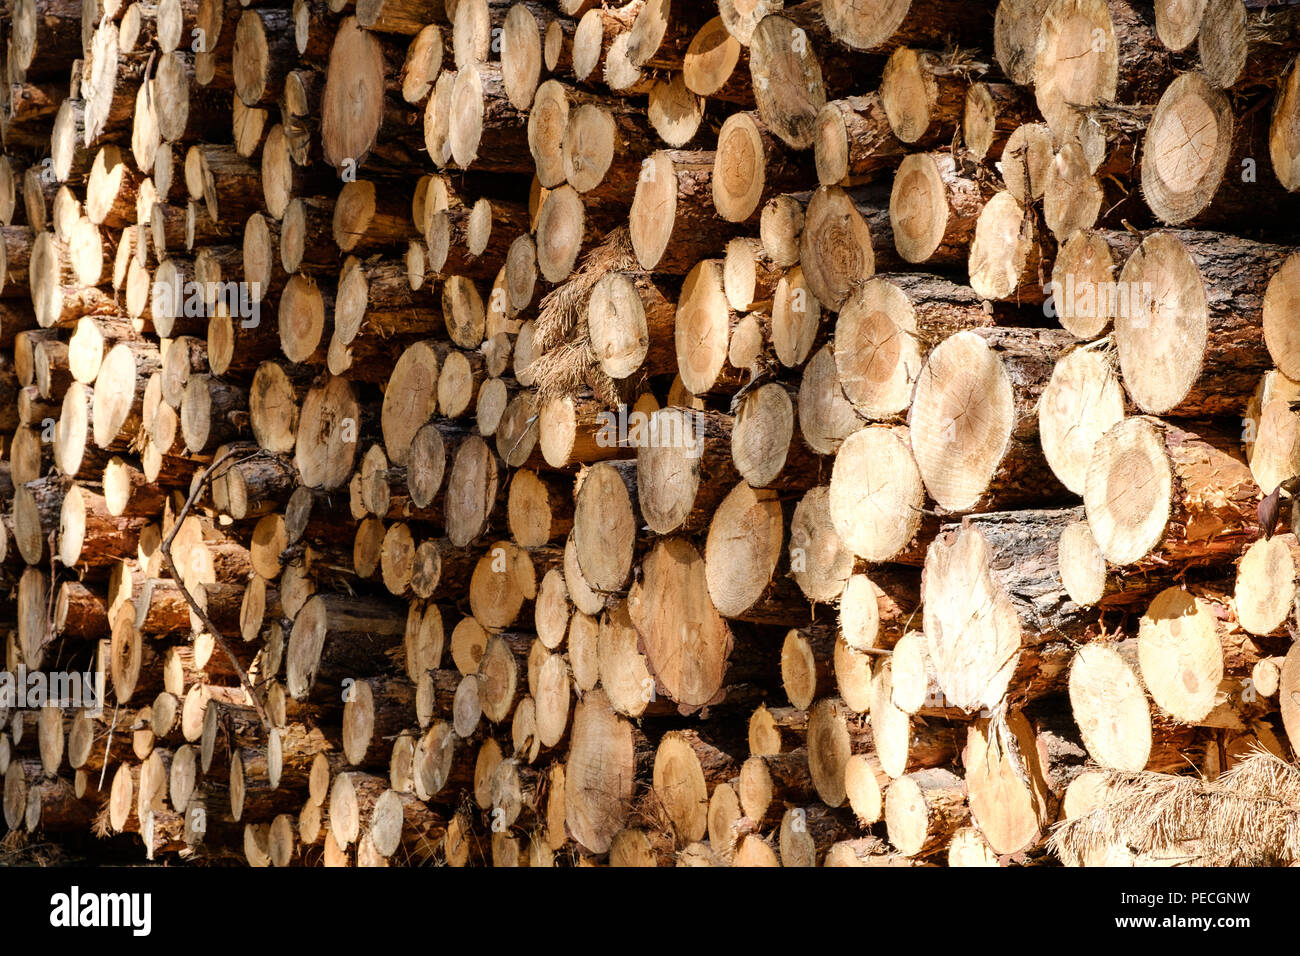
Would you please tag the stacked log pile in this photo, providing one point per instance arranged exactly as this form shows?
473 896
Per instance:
546 433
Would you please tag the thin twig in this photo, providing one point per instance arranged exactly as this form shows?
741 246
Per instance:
107 744
202 615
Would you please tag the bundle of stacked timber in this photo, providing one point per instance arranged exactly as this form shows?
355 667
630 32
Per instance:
548 433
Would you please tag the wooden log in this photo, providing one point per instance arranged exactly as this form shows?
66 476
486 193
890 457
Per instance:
1169 516
1004 445
1203 292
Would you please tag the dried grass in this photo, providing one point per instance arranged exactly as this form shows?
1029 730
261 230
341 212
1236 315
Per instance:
1249 816
566 364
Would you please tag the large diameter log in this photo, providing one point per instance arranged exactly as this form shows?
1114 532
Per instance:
933 208
742 554
686 641
884 330
599 773
974 418
352 105
1191 343
1091 52
335 637
1188 642
672 221
1209 177
1006 782
1185 499
787 80
996 610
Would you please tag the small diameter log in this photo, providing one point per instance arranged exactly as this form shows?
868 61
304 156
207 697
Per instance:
835 248
539 508
79 612
485 130
765 445
374 710
58 297
826 417
368 219
89 536
750 166
475 471
326 447
678 448
908 22
605 520
702 333
1265 586
1007 257
631 322
859 507
1081 402
1085 297
993 111
120 386
1240 45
